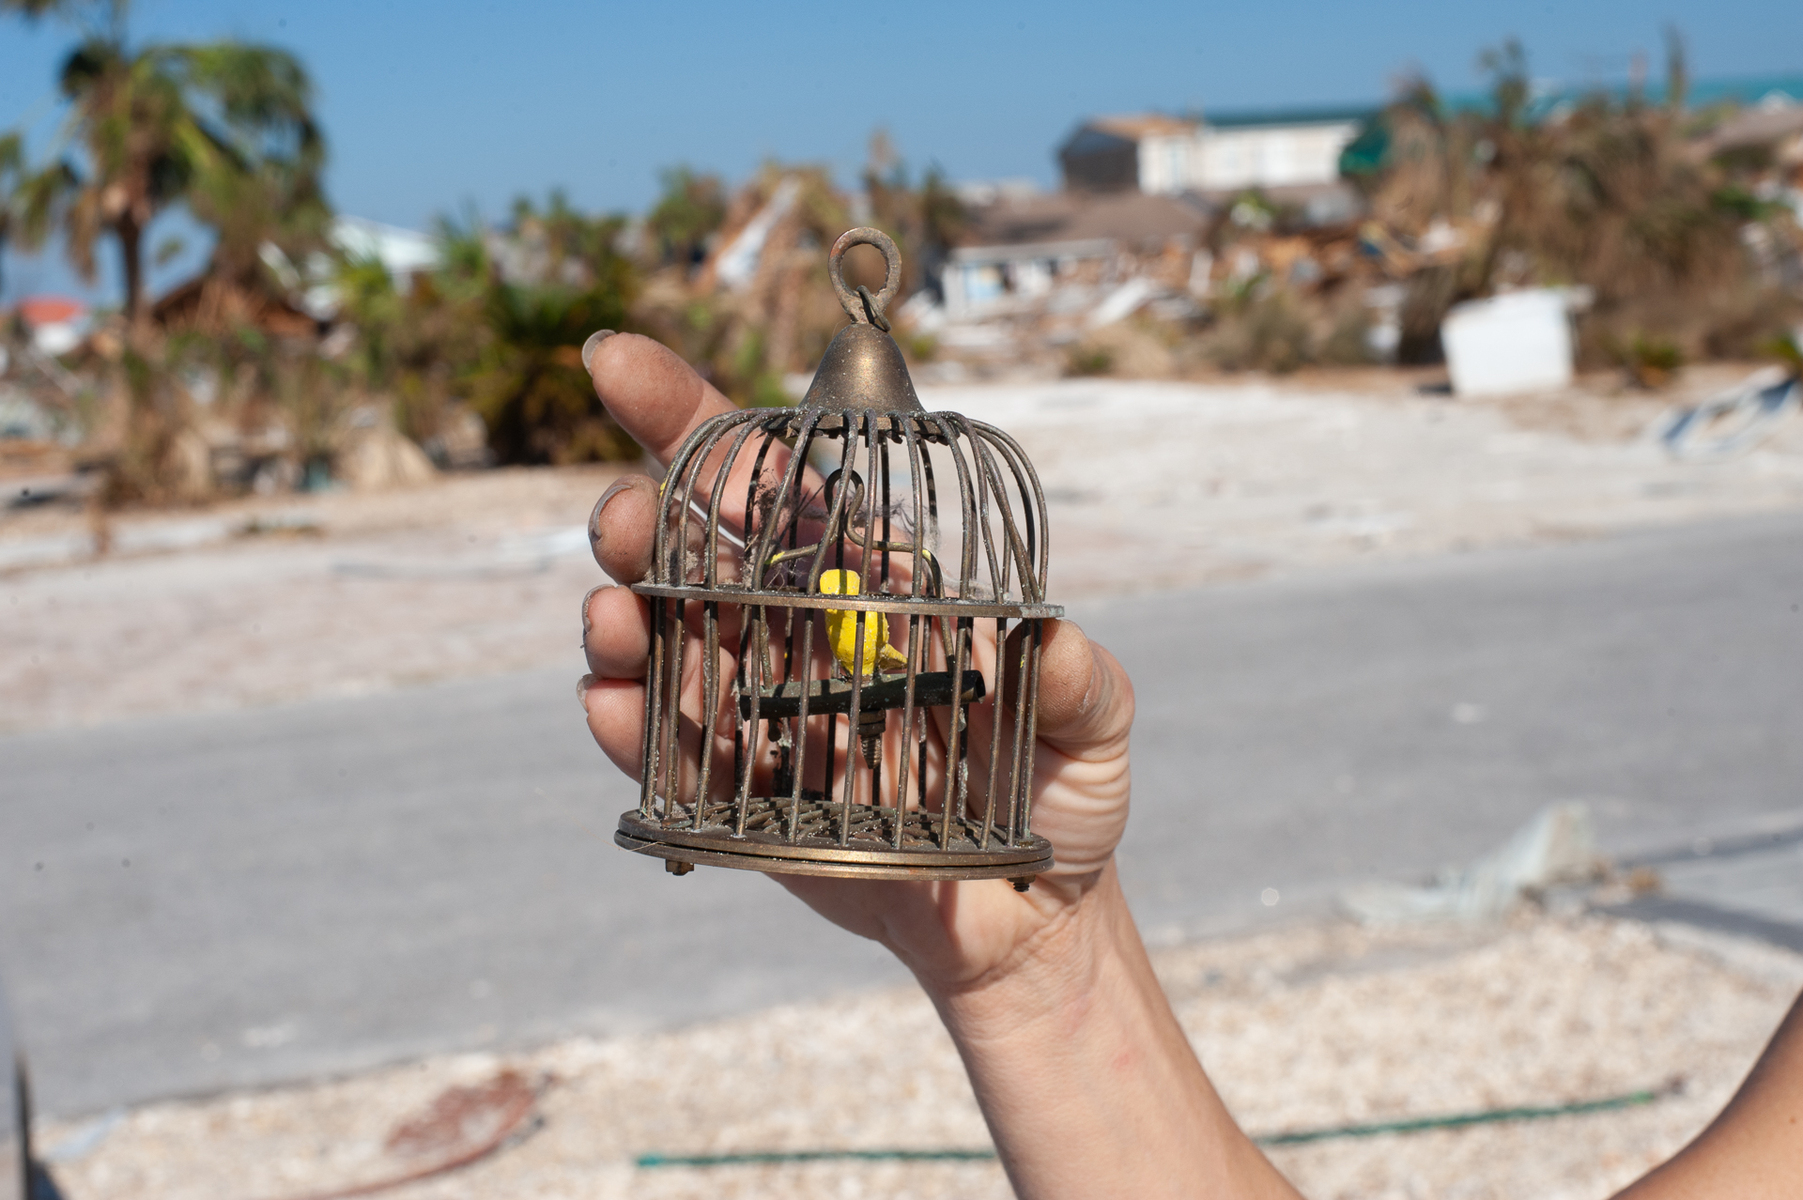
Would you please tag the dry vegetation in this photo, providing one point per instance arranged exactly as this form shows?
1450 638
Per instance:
1682 246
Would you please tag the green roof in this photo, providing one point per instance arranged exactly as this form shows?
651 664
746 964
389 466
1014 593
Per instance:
1323 115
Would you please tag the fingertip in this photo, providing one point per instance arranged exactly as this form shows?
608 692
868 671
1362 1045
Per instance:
616 719
590 346
654 395
617 639
1085 697
1066 668
621 528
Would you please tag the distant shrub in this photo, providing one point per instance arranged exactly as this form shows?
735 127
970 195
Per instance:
1652 360
1089 360
1267 333
1348 343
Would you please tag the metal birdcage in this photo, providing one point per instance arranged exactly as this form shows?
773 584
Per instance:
847 605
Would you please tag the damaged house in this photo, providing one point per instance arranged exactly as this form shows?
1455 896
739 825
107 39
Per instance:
1292 156
1038 267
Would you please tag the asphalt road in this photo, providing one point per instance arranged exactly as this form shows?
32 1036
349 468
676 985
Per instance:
190 904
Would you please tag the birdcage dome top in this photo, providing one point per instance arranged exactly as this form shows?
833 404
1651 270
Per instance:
861 466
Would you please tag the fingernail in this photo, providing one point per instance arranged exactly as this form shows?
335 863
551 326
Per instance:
582 687
588 347
594 518
587 624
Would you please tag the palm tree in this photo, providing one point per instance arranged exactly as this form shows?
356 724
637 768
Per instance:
224 127
12 166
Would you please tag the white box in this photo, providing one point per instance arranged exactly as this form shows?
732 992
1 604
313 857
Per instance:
1515 342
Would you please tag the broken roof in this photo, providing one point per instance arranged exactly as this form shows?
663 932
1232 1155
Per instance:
1139 125
1125 218
50 310
1134 126
1760 125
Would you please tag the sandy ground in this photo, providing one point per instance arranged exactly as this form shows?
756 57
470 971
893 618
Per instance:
475 574
1150 485
1302 1028
1190 485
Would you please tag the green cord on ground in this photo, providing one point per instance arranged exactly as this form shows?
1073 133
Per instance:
765 1157
1455 1120
1487 1116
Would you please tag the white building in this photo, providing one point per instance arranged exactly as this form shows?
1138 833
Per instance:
1224 154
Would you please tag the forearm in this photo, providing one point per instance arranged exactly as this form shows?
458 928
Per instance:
1754 1149
1087 1081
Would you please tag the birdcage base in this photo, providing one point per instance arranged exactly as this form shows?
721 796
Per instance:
869 852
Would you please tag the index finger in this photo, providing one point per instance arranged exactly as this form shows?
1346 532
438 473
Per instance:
654 395
660 400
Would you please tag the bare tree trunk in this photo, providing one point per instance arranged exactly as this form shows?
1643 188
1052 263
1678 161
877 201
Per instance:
131 259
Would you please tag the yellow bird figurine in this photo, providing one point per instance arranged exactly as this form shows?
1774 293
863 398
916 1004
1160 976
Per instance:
842 628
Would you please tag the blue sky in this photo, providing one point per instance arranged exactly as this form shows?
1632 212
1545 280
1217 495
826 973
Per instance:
429 107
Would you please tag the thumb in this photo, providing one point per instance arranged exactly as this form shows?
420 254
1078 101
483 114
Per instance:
1085 697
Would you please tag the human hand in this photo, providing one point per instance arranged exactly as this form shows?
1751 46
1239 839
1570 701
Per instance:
953 935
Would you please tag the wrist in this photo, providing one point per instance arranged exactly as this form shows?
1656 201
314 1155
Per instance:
1084 1076
1055 972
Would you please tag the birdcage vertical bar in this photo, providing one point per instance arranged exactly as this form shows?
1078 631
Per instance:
1036 634
957 742
753 638
710 614
864 629
851 728
678 467
953 798
801 727
921 532
1016 552
967 550
1024 692
1034 496
909 713
772 528
673 713
654 675
830 759
997 577
916 626
881 584
716 505
888 532
710 703
686 512
747 572
753 730
995 731
834 534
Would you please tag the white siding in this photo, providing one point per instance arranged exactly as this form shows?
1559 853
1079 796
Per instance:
1269 156
1166 163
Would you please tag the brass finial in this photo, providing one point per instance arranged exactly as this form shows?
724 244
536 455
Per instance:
863 366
